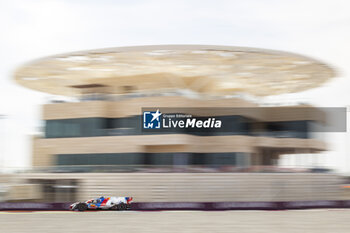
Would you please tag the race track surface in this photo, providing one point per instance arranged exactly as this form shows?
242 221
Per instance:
303 221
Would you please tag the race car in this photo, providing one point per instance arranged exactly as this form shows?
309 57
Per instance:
103 203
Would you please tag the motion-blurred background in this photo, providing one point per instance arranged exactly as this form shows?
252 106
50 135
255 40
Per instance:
71 122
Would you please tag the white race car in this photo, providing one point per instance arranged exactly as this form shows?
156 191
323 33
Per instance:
103 203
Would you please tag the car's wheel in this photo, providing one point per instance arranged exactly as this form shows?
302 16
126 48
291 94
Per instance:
82 207
115 207
122 206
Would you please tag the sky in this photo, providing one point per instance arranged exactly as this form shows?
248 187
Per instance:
34 28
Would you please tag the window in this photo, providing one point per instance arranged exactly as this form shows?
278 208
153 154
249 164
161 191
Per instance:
99 159
147 159
288 129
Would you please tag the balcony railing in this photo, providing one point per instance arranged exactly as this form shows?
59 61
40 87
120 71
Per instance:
171 169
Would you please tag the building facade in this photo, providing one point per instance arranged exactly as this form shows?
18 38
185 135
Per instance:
110 133
100 129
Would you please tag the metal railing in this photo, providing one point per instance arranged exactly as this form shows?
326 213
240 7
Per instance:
169 169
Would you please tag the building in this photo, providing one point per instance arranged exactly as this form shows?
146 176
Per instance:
98 128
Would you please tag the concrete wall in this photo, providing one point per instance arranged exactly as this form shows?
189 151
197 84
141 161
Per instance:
21 192
133 106
44 149
204 187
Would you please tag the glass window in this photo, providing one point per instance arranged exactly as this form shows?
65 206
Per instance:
288 129
99 159
160 159
232 125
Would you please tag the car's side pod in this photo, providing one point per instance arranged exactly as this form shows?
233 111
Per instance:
128 200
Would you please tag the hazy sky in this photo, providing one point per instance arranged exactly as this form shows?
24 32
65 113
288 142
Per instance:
31 29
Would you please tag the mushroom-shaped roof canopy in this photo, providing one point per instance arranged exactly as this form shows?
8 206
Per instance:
205 69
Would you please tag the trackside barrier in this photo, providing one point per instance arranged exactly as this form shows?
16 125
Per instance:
204 206
33 206
240 205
